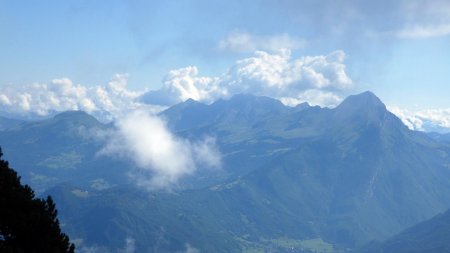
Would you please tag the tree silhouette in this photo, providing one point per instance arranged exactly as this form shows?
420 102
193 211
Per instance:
27 224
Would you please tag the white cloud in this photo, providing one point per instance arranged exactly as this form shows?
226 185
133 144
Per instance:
424 19
423 32
243 42
429 120
313 97
162 157
41 99
315 79
206 153
182 84
407 117
275 75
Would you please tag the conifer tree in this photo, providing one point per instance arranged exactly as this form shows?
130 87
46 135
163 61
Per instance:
27 224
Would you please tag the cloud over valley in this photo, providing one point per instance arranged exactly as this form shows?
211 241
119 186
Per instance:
161 157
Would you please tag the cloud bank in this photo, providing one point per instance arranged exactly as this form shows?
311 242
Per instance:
42 99
277 75
161 157
428 120
313 79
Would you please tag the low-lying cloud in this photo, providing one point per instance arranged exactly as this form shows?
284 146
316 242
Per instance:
429 120
42 99
161 157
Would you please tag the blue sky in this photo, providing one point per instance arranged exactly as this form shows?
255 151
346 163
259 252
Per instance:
398 49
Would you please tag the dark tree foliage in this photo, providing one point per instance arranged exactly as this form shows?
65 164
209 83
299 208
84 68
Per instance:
27 224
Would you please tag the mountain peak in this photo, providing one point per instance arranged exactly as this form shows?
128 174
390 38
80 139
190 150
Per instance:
70 114
364 106
363 100
77 117
191 100
188 104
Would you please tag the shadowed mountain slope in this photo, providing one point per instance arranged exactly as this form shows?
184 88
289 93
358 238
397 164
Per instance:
431 236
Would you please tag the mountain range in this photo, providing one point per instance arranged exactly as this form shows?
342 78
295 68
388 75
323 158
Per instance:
293 179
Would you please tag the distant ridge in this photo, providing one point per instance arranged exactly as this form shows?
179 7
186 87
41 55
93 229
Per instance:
6 123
